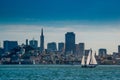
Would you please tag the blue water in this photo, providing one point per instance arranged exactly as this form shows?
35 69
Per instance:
58 72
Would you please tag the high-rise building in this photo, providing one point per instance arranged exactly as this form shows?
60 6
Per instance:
102 52
42 41
60 46
77 50
33 43
8 45
26 42
81 49
70 42
51 47
118 48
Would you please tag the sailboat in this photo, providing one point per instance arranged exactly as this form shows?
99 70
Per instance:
90 62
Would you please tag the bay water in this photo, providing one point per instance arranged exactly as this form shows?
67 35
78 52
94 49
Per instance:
59 72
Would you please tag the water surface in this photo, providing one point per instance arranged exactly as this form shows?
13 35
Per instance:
58 72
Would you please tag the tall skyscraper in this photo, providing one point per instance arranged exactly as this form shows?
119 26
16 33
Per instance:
60 46
51 47
118 48
33 43
8 45
70 42
42 41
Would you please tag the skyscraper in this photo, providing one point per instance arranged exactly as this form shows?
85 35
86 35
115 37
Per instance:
51 47
70 42
26 42
42 41
8 45
33 43
60 46
81 49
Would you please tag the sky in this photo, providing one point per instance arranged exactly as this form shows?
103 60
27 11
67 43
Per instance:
95 22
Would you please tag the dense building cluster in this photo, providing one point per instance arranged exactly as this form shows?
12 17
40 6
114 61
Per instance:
67 52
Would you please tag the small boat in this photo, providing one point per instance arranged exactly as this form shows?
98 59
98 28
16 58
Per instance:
90 62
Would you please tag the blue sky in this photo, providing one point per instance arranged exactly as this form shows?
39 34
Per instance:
95 22
21 11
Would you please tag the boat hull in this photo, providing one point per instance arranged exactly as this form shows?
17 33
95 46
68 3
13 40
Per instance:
88 66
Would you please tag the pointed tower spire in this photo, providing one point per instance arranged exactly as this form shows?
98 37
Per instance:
42 41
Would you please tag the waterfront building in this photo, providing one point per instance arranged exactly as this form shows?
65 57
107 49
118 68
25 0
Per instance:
33 43
8 45
70 42
42 41
102 52
51 47
61 46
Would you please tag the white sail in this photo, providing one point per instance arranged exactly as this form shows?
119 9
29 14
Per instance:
90 62
83 60
88 58
93 59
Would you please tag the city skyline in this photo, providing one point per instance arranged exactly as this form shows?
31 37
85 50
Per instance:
86 45
96 23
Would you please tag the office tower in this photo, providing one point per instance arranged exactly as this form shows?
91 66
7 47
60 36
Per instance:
8 45
77 50
70 42
26 42
119 49
33 43
61 46
42 41
81 49
102 52
51 47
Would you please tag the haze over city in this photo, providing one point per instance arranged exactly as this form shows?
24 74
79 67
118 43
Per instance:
96 23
